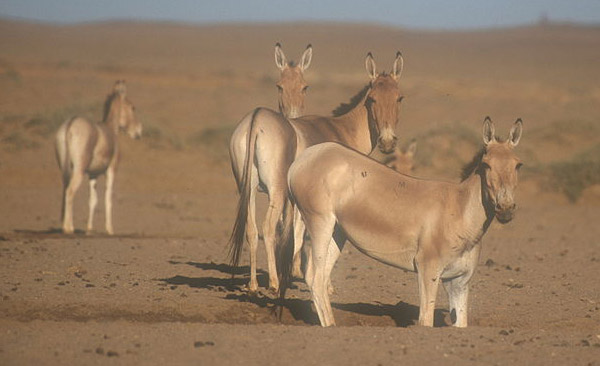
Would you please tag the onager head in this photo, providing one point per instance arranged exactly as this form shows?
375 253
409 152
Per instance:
499 167
402 161
383 100
121 109
291 84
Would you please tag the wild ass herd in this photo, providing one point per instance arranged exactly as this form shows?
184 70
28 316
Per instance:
339 178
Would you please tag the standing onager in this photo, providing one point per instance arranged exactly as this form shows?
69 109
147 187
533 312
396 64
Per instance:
292 91
84 147
274 142
400 160
431 227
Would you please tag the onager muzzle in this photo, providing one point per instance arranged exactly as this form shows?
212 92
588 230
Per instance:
387 142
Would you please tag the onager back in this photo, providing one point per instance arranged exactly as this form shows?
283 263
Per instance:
431 227
84 147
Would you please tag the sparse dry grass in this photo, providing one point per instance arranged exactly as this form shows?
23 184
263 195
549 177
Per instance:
574 175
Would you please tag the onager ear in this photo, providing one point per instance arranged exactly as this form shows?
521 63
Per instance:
398 66
306 58
489 134
515 133
280 59
120 88
370 64
412 148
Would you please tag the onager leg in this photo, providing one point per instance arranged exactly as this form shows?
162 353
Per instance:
93 203
458 289
458 293
252 231
333 253
72 187
321 230
274 214
110 180
428 276
299 229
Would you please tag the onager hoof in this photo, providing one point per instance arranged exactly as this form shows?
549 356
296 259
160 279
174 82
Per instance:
251 290
274 291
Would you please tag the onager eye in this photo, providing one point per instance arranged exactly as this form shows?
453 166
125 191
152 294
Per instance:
519 165
305 89
279 87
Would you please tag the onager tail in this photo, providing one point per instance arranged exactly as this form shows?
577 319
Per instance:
236 241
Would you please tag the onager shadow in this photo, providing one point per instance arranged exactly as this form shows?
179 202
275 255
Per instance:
290 310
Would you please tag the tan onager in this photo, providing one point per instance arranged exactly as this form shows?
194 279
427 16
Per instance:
292 91
92 149
431 227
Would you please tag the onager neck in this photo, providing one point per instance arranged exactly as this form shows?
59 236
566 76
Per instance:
475 208
358 124
114 113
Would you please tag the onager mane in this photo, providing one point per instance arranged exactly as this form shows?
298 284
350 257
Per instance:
344 108
107 104
472 166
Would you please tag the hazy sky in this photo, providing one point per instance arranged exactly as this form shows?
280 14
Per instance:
412 14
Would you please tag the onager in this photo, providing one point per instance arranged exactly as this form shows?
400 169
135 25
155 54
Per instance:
368 121
84 147
292 91
401 160
430 227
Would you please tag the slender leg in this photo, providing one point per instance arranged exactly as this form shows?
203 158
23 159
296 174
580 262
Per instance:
335 249
93 203
74 183
299 229
66 180
274 214
458 293
458 289
321 231
252 233
429 278
110 180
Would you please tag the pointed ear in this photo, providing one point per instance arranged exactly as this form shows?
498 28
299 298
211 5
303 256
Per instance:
280 60
370 65
398 66
306 58
515 133
412 148
489 133
120 88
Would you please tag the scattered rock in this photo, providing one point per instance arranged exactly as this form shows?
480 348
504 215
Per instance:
199 344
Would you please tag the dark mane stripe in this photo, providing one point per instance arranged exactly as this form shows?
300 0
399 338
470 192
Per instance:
473 165
347 107
107 104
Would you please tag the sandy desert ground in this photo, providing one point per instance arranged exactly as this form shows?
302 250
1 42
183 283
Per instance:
161 292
